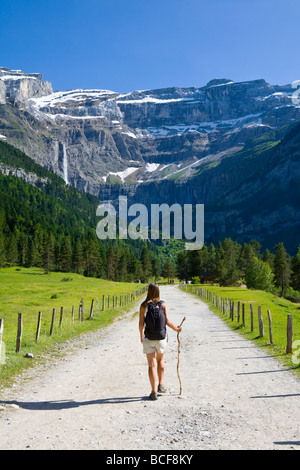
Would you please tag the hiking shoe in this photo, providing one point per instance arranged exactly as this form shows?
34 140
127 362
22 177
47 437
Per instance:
153 396
161 389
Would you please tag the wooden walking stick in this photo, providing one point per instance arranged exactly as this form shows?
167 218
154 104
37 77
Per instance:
178 358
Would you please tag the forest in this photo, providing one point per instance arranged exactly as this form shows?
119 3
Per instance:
54 227
233 264
57 234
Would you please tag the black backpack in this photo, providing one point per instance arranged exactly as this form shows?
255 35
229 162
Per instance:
155 321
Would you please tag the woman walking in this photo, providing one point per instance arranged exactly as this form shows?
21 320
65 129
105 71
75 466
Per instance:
154 316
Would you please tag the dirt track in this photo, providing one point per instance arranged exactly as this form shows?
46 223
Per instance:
96 396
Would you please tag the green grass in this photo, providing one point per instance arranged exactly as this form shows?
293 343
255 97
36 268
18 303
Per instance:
30 291
279 309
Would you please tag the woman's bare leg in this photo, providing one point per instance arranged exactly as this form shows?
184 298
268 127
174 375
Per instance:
152 370
160 368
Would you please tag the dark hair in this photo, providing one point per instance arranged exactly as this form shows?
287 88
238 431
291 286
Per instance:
152 294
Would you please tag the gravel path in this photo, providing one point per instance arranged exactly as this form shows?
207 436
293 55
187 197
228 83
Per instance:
234 396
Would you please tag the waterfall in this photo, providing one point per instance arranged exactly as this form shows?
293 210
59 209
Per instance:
65 165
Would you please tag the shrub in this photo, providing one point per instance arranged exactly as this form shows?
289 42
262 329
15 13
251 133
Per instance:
292 295
259 275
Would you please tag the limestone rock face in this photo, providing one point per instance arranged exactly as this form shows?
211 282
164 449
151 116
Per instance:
21 86
166 145
113 138
2 92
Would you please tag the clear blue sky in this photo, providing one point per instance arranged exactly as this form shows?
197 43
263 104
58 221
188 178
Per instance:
125 45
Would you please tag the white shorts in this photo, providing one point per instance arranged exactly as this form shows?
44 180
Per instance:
152 346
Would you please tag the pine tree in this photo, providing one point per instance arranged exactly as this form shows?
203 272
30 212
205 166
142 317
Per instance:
268 257
183 266
282 270
49 253
93 258
220 268
66 255
231 250
246 256
156 268
211 257
2 249
122 266
78 258
111 264
256 247
36 249
12 250
138 270
198 261
146 264
168 270
227 271
23 248
296 270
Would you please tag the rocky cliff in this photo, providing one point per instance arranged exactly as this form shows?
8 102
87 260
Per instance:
96 137
16 85
154 145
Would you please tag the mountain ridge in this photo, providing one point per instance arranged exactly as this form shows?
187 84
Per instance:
170 126
159 145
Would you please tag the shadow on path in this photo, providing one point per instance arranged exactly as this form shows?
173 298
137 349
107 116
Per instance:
286 443
65 404
278 396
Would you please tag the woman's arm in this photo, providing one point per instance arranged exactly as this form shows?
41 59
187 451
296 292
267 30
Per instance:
169 323
141 322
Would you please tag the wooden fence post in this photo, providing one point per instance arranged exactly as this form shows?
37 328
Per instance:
92 308
38 329
103 302
61 316
243 314
72 314
270 327
52 322
260 323
19 333
289 345
251 317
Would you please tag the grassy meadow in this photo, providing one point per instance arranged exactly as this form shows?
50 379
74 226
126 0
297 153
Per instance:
279 308
30 291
